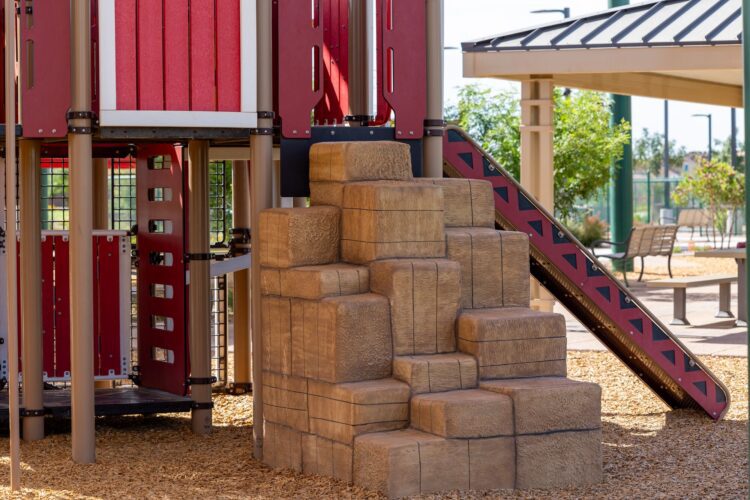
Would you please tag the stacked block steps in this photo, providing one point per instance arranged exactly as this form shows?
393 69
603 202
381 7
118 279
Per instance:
399 350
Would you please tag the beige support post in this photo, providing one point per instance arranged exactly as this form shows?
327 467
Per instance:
537 159
433 144
360 70
241 219
81 226
101 198
261 197
11 250
199 296
29 180
101 221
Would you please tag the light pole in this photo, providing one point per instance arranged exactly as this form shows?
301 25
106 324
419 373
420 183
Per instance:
710 131
565 11
733 139
666 153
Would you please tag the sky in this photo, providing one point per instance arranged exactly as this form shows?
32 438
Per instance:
467 20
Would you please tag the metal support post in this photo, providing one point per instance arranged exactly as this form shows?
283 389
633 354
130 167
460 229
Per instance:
537 154
261 197
241 221
81 226
31 288
360 61
199 295
11 251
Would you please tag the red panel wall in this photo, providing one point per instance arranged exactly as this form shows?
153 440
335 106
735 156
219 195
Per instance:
178 55
335 103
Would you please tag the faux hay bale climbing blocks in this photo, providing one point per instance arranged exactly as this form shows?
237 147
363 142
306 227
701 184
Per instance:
291 237
425 296
315 282
468 202
382 220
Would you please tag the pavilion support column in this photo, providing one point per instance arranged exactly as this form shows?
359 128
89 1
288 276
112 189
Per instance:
81 226
31 286
433 141
241 220
537 159
199 295
261 197
621 187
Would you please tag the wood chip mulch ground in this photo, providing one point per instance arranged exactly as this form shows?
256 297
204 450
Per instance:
649 452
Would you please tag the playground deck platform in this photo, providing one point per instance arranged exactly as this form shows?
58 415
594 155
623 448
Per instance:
108 402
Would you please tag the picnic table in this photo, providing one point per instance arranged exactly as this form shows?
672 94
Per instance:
739 255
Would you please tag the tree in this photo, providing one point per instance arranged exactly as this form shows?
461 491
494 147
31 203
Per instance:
719 187
585 143
648 153
723 152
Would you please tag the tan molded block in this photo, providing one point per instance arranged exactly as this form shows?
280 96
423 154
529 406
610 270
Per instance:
285 401
327 193
342 411
492 463
468 202
315 282
324 457
343 339
410 462
292 237
280 353
382 220
550 404
425 298
514 342
494 266
360 161
559 459
472 413
436 373
282 447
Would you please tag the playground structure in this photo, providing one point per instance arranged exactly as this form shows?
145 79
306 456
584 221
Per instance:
170 86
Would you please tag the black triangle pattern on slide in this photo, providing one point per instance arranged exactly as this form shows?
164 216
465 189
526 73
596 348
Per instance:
558 237
701 387
720 396
657 333
524 203
536 225
625 302
590 271
690 365
503 193
638 324
605 292
572 259
489 172
454 136
468 158
669 355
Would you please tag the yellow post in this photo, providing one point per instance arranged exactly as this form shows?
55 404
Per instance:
31 288
261 187
537 159
10 234
81 226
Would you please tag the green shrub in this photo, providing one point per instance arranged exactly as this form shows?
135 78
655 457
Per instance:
589 230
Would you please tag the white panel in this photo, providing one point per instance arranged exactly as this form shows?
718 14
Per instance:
107 53
184 119
3 288
124 296
230 265
249 56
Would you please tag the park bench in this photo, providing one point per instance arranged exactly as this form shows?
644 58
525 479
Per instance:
643 241
680 286
692 218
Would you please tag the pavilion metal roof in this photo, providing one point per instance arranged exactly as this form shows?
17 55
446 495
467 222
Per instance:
654 23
